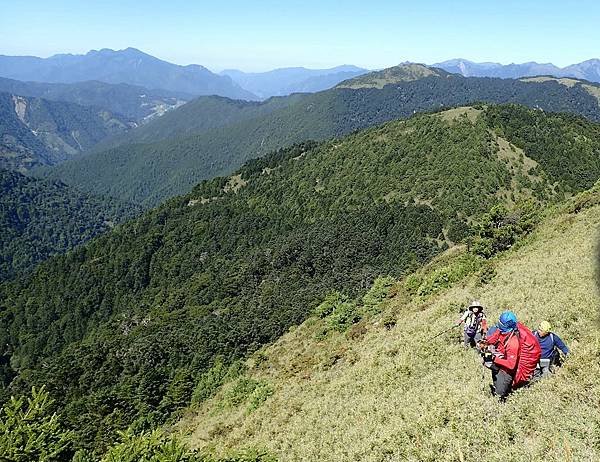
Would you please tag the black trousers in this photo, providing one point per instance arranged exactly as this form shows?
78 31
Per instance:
502 381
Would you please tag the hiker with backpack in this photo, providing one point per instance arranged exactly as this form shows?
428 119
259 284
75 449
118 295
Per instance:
512 353
475 324
551 345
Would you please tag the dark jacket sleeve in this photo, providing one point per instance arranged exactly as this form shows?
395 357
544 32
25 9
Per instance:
560 344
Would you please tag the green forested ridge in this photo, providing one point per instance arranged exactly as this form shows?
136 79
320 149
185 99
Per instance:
199 115
148 172
41 218
35 131
121 329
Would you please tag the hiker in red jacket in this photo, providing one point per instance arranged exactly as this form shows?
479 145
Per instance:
503 347
513 354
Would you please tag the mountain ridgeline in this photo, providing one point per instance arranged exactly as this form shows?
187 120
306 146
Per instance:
282 82
241 131
128 66
122 329
40 219
586 70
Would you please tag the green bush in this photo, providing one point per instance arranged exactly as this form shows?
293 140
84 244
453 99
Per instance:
29 431
259 396
328 305
499 229
379 291
344 315
425 284
240 391
211 380
149 447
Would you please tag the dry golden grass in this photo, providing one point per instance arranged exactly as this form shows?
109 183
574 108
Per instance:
378 79
567 82
455 113
392 395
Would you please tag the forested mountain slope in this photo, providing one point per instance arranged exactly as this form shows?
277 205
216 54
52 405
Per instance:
35 131
127 324
147 173
40 218
385 389
198 116
134 102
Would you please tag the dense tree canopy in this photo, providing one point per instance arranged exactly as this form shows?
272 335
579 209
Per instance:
40 218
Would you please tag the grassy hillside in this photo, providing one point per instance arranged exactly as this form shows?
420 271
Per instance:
39 219
148 172
139 314
35 131
385 390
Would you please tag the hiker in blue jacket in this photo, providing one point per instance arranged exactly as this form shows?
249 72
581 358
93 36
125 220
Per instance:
551 345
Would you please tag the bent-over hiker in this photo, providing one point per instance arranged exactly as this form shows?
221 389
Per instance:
551 345
512 354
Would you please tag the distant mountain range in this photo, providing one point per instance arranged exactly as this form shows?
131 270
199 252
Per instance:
586 70
128 66
281 82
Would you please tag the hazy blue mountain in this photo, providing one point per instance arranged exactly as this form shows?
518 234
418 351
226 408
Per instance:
129 66
132 101
35 131
281 82
587 70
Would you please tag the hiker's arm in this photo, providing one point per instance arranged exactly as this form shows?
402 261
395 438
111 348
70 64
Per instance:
561 345
509 361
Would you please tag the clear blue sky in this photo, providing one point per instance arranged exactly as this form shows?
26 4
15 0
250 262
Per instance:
261 35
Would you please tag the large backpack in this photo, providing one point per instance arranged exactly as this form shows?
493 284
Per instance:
471 330
530 353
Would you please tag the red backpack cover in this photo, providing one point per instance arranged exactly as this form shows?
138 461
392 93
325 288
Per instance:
530 353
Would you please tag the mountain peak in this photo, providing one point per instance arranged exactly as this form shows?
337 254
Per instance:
405 72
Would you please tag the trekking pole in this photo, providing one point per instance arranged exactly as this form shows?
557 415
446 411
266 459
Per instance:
444 331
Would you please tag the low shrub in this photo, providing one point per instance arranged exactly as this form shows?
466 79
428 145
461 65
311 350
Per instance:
428 283
211 380
379 291
500 229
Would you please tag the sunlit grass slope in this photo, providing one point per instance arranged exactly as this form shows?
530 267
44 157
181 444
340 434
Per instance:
380 392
